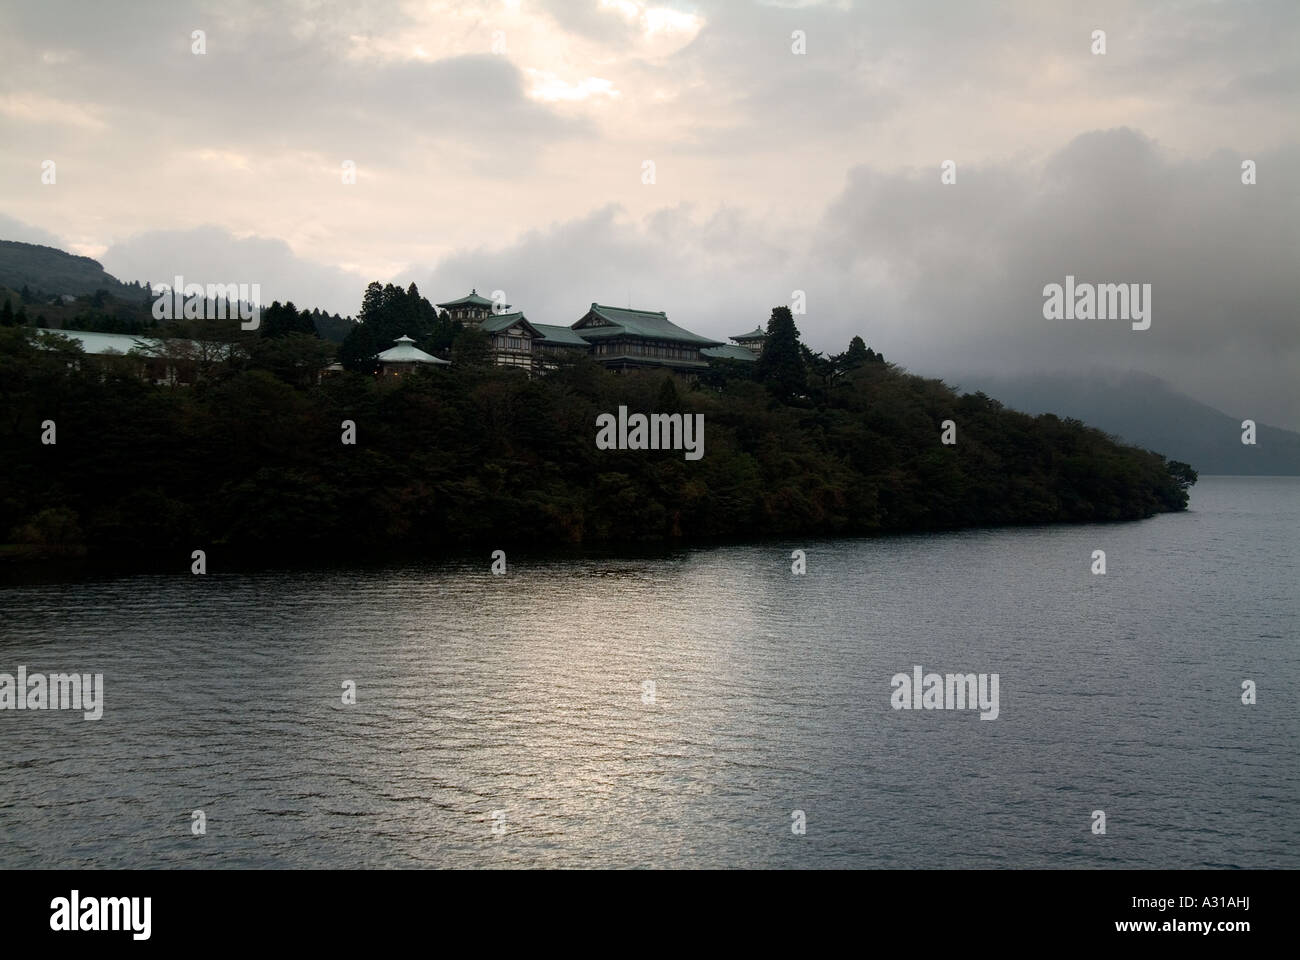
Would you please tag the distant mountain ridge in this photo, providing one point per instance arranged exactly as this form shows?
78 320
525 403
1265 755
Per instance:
1151 413
49 274
52 271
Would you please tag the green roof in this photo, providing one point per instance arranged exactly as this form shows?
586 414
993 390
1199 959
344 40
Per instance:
504 321
564 336
406 351
639 361
758 333
638 323
730 351
471 299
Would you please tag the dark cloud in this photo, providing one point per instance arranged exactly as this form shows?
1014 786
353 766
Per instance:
967 264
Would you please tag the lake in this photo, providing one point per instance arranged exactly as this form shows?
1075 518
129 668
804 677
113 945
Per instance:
508 721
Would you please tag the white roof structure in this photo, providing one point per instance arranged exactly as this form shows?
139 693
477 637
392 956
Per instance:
406 352
105 343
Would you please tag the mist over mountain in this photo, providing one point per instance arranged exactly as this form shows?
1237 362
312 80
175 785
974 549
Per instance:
1148 411
1139 408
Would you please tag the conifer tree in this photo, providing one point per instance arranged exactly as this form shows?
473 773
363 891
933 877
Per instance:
780 366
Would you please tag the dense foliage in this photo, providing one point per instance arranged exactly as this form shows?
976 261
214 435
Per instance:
389 312
251 457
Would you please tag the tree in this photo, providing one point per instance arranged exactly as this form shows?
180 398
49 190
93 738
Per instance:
472 348
371 301
1182 473
7 314
780 366
668 401
819 371
26 295
293 357
855 355
279 321
364 340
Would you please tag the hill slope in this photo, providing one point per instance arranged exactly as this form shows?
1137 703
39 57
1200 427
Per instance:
50 271
1149 412
471 454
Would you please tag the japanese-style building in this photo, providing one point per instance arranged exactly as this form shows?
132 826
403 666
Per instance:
470 309
404 357
625 338
746 348
557 342
169 362
752 341
512 338
617 337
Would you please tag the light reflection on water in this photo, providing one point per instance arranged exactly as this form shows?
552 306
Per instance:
523 694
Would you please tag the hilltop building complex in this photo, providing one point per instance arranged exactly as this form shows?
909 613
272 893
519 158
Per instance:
618 337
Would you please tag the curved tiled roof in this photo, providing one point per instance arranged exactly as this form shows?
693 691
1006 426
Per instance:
566 336
471 299
638 323
730 351
504 321
407 352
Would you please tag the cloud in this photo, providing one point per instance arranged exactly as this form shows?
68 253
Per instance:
949 279
607 256
968 264
775 171
210 254
11 229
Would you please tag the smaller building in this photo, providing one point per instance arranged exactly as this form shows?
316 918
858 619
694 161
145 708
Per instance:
555 343
470 309
730 351
746 348
159 361
512 338
404 357
752 341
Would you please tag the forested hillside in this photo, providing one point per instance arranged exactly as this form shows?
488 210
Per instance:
250 461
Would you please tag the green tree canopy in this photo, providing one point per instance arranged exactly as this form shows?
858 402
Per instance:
781 364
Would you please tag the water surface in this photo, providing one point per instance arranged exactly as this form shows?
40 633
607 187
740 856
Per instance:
525 694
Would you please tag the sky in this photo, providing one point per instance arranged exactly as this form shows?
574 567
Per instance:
508 146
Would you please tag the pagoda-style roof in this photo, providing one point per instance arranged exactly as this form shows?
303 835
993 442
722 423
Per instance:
730 351
504 321
471 299
560 336
407 352
602 321
758 333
